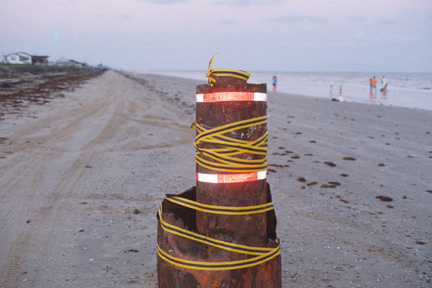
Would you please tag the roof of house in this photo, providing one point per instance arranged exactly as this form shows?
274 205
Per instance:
19 52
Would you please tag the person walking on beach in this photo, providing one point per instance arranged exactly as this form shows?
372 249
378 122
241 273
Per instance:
274 83
372 82
383 85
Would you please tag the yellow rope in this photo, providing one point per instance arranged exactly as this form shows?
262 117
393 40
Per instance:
263 253
224 72
226 210
224 157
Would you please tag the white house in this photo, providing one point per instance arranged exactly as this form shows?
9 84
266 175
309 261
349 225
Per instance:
18 58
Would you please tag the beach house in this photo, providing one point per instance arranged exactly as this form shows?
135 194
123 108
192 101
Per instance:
25 58
18 58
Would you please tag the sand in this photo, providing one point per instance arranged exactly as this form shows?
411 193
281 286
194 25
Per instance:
83 176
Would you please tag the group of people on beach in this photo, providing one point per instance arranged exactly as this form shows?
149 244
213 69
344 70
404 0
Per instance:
373 82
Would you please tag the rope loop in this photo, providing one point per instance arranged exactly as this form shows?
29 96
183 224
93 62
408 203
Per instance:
260 254
224 72
224 158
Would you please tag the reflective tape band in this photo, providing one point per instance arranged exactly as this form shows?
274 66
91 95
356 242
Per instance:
231 96
231 178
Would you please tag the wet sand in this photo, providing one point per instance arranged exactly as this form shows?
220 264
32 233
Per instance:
83 175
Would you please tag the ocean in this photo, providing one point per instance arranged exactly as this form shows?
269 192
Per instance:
411 90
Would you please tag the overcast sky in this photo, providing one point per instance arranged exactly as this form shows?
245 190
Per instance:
270 35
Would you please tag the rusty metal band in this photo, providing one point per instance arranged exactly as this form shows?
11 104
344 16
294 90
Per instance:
226 210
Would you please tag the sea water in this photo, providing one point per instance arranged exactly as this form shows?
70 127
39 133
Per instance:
412 90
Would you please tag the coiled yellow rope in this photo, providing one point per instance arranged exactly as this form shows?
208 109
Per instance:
224 158
263 254
224 72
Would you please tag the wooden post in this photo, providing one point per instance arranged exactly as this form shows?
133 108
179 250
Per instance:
250 229
256 230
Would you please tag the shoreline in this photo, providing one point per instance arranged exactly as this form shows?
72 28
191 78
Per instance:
300 83
350 184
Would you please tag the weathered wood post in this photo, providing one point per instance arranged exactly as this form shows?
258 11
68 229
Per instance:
222 233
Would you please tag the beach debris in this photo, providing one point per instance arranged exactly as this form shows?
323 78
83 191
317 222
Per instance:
330 184
349 158
384 198
301 179
136 211
331 164
343 200
39 85
278 165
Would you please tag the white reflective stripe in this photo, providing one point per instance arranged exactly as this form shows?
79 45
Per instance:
231 178
199 97
260 96
262 175
257 96
209 178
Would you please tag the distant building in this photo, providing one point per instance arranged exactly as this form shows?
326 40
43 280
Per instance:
42 60
18 58
25 58
69 62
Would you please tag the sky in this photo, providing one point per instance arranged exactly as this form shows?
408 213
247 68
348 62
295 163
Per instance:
250 35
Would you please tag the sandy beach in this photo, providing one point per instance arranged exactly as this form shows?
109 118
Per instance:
83 175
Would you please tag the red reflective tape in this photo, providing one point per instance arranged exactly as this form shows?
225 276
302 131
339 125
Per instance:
231 178
231 96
